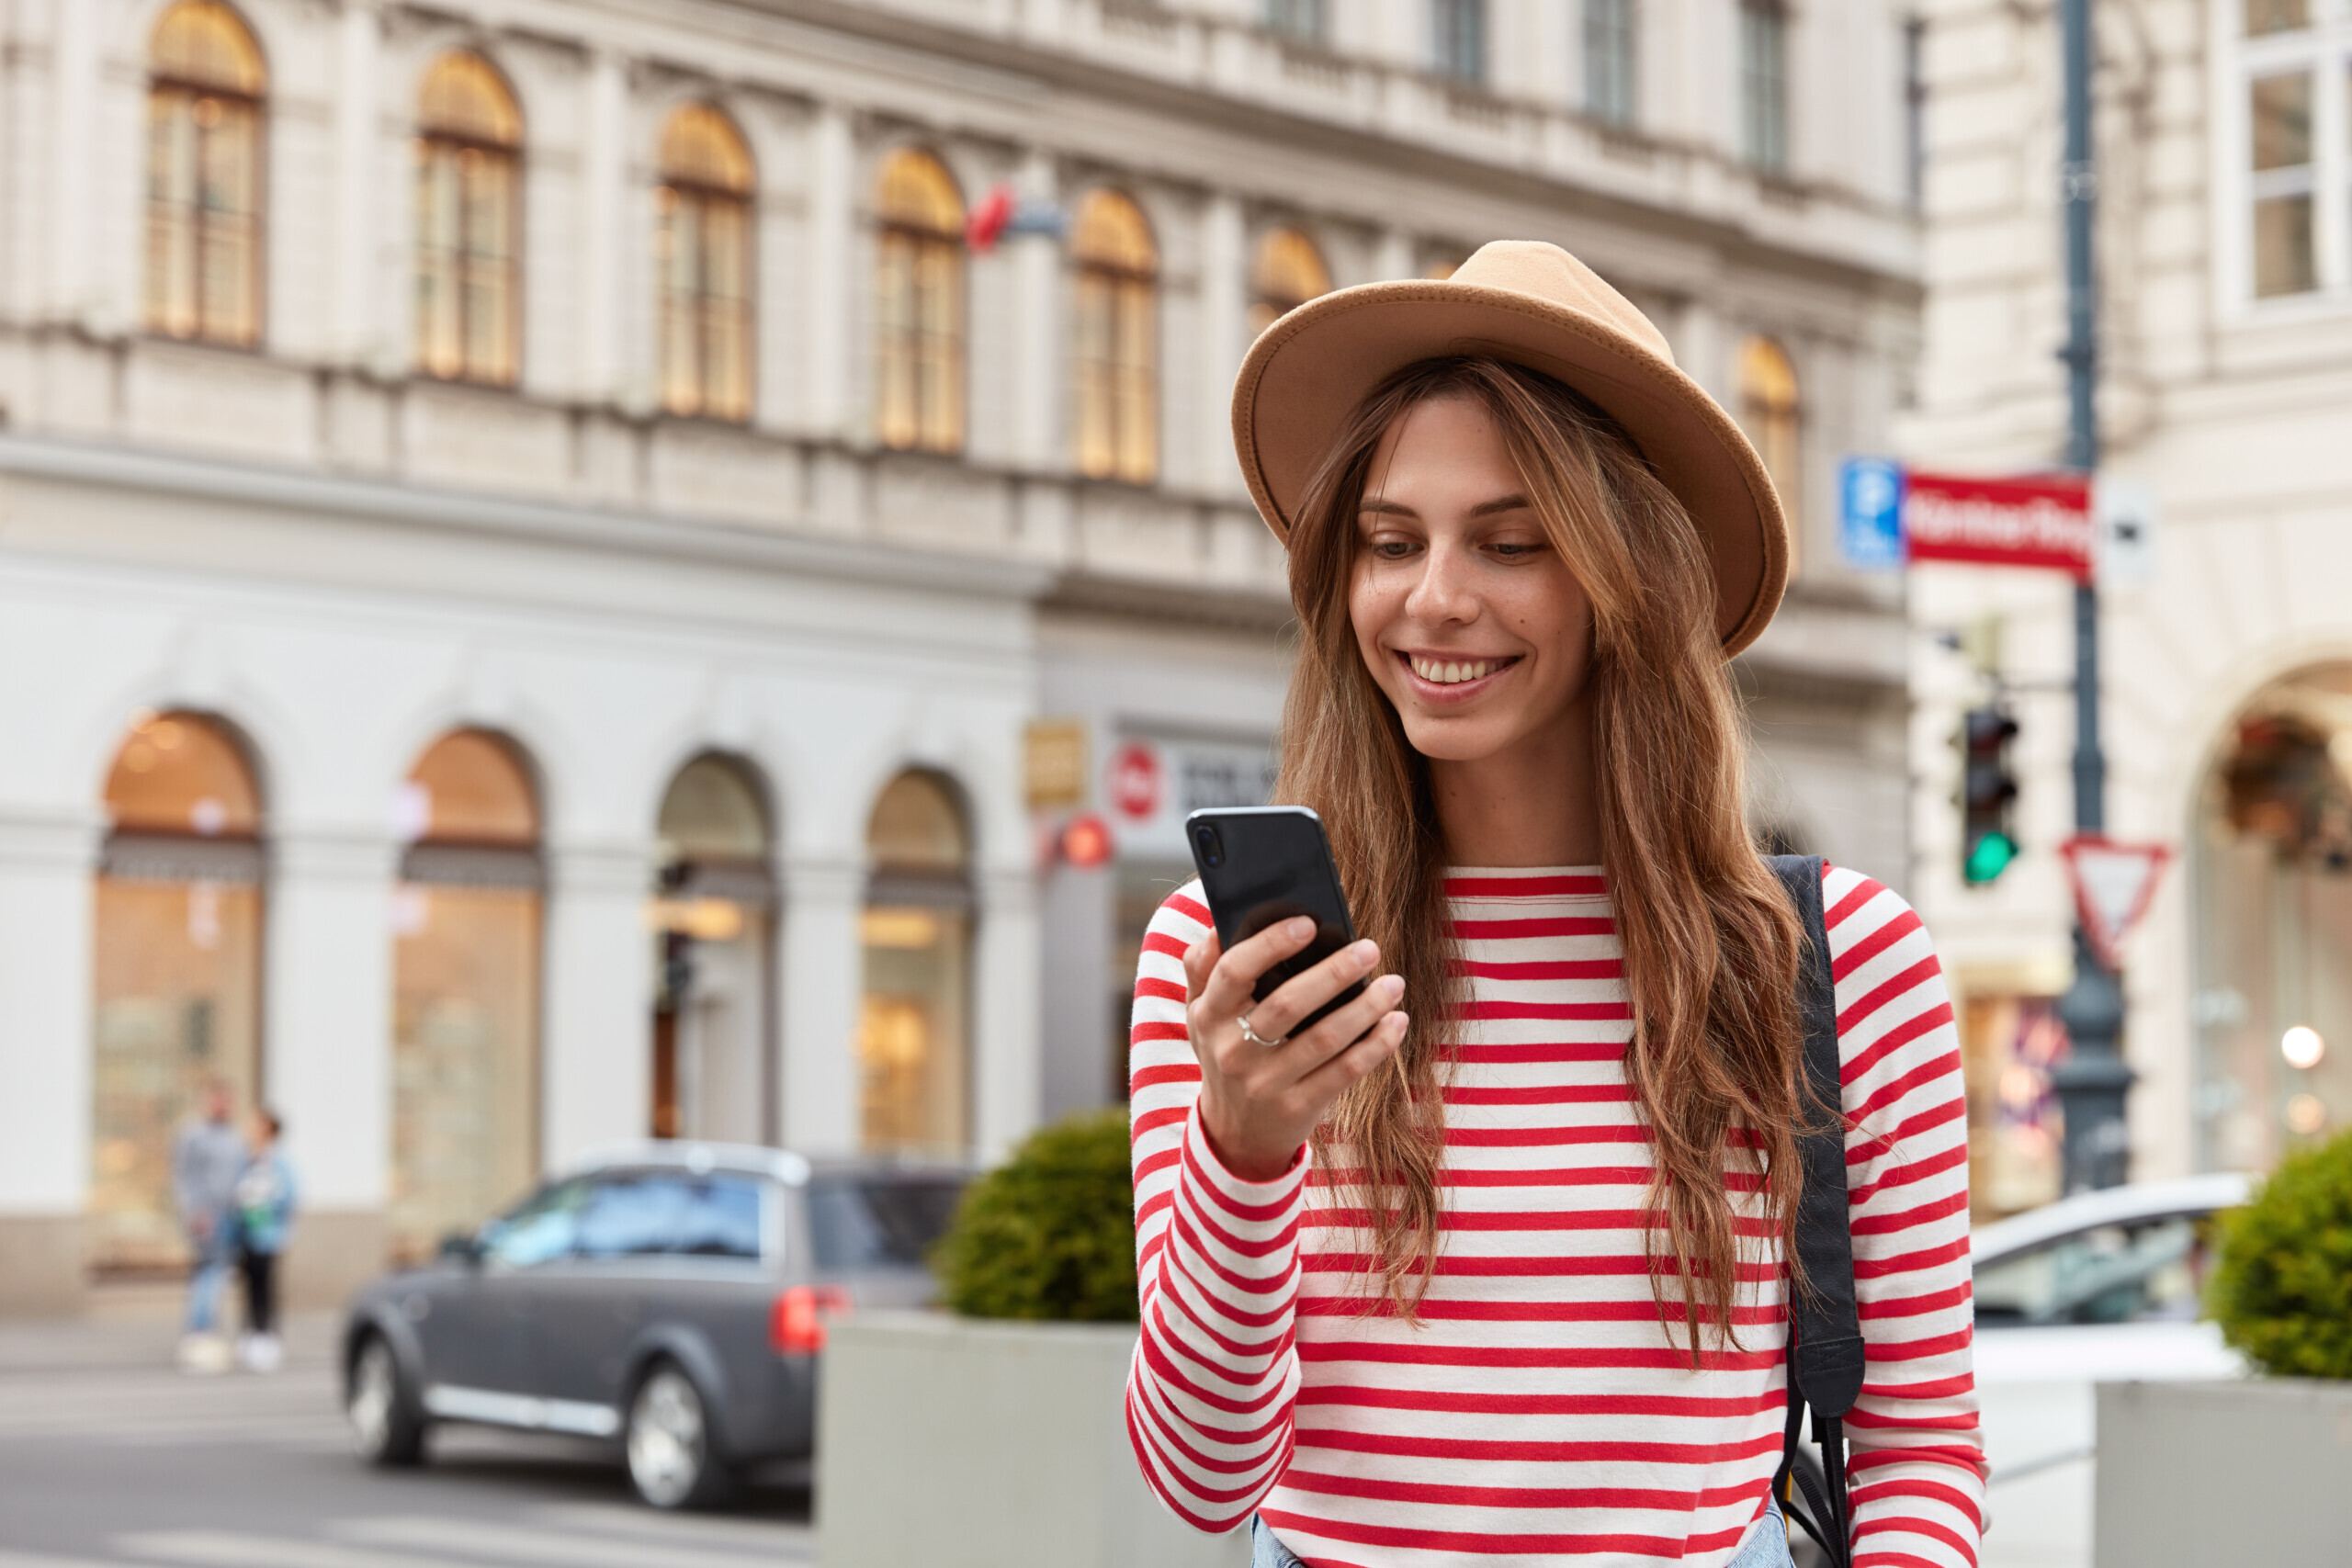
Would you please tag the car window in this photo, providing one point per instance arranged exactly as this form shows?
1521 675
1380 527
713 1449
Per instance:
544 1228
721 1219
880 1222
664 1213
2148 1270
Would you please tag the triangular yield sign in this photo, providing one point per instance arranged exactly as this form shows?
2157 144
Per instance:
2113 885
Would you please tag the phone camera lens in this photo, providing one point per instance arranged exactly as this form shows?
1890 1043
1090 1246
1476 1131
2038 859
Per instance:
1210 847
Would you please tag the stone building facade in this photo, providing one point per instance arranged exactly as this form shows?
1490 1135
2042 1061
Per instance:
2225 322
564 568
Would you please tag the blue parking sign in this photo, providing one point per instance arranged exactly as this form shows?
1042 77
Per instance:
1870 514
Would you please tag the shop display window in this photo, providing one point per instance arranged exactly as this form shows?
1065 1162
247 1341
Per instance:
467 919
2010 1045
177 971
711 916
2272 869
913 1042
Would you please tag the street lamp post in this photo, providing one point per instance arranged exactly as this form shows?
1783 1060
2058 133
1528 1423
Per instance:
2092 1081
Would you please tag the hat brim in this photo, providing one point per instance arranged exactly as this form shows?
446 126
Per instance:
1307 373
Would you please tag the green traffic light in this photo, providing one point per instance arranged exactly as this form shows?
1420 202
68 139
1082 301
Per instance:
1989 856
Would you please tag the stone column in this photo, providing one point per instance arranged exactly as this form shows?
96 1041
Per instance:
1393 259
356 327
832 242
1700 348
327 1048
1005 967
1038 421
596 1019
1225 281
604 172
823 976
46 863
72 114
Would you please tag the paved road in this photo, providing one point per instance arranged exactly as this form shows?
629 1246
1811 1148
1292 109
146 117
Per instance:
109 1459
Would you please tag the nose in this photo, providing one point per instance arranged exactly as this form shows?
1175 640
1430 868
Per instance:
1442 594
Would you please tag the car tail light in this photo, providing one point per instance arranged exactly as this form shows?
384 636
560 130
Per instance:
797 1322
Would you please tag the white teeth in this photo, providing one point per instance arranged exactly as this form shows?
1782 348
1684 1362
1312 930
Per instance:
1453 672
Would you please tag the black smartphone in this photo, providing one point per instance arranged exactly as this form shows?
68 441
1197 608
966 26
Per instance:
1263 863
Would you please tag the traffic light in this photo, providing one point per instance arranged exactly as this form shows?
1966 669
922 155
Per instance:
1987 790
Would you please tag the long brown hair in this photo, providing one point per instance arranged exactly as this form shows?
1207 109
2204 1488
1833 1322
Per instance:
1710 941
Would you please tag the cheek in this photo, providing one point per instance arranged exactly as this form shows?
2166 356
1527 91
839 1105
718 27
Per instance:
1368 613
1557 617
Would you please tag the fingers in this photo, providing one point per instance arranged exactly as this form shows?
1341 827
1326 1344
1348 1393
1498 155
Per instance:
1199 959
1232 978
1302 994
1345 1024
1377 1045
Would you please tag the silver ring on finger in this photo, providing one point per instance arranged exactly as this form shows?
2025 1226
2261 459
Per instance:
1255 1038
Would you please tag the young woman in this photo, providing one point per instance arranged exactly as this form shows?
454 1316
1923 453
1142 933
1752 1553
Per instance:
1489 1265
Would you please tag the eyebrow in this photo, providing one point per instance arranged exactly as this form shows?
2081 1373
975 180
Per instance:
1512 503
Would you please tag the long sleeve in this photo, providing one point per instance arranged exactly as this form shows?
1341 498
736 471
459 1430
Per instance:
1916 1461
1216 1372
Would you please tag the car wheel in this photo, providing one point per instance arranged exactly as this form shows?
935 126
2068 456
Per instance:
673 1460
385 1427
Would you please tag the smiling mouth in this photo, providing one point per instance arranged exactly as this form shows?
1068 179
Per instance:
1439 671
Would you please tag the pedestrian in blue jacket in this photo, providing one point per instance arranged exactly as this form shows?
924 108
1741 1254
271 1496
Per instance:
264 1211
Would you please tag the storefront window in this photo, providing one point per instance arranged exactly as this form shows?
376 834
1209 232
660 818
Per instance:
2273 891
177 966
465 989
913 1044
2009 1046
713 902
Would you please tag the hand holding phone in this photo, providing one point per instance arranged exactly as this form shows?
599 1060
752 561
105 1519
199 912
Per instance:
1284 1012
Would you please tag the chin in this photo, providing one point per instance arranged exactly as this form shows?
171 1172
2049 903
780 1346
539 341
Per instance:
1443 742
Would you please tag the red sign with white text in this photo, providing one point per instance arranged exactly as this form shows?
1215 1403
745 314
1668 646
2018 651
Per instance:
1135 780
2044 522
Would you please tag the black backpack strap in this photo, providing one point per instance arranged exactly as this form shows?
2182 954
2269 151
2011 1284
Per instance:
1825 1358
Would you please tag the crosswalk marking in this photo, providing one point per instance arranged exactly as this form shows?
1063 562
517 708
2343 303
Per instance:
440 1541
231 1548
479 1538
755 1534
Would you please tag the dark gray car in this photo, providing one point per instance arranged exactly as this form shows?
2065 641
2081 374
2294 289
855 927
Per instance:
667 1298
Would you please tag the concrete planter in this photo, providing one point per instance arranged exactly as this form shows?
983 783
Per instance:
2196 1475
958 1443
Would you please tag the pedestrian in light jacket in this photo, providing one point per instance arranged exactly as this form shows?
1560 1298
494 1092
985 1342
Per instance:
206 1159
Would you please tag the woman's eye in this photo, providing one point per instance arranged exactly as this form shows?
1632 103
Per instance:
1511 550
1390 549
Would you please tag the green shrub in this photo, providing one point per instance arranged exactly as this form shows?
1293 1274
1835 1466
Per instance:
2282 1288
1050 1234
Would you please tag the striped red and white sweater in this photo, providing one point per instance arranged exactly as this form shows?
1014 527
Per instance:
1540 1411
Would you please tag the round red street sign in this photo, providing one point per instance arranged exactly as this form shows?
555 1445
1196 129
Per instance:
1086 841
1135 780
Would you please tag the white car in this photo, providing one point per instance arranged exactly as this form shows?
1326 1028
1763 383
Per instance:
2103 1287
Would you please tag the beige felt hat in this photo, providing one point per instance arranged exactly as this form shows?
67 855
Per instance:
1532 304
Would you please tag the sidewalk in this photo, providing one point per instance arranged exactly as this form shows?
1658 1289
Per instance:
138 1325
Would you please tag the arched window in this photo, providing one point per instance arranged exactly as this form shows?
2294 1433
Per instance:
912 1046
1770 408
704 259
1118 340
204 175
176 970
918 306
467 217
1289 272
465 988
713 906
2272 925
